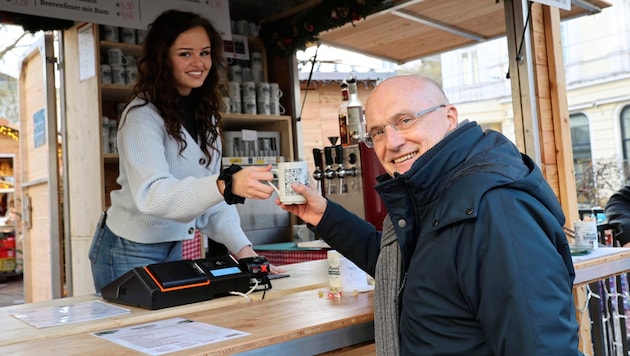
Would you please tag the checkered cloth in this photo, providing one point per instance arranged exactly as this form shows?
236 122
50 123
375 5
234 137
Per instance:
279 258
191 249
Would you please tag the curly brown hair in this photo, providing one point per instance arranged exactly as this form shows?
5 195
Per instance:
155 78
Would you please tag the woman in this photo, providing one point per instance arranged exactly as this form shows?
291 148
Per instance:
169 142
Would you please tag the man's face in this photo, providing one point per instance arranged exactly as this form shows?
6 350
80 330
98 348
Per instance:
397 100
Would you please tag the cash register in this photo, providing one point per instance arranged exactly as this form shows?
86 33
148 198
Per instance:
168 284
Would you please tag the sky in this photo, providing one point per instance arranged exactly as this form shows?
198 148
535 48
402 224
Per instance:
10 63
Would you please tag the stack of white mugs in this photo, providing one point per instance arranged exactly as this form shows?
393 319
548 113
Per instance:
248 92
116 66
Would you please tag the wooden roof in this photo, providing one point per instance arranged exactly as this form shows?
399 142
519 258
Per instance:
421 28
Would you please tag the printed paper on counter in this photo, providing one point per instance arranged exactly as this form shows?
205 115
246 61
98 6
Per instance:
68 314
170 335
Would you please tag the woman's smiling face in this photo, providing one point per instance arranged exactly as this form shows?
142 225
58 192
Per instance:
190 59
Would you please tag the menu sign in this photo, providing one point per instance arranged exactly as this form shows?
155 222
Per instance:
124 13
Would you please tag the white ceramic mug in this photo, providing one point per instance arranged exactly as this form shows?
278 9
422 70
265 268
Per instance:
128 35
131 72
110 33
275 108
262 91
287 173
106 74
586 233
249 105
274 91
116 56
236 73
118 74
263 107
248 90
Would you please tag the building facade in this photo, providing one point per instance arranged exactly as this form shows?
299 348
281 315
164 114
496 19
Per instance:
596 51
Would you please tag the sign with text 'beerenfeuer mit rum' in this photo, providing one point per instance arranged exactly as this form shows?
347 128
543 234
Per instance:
125 13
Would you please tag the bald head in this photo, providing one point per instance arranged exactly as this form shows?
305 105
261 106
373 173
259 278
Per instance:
407 96
408 85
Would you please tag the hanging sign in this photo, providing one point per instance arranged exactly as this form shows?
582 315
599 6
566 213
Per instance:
563 4
125 13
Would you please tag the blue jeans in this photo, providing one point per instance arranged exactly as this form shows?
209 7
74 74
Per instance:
112 256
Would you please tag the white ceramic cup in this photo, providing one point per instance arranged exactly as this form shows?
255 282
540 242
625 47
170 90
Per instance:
275 108
274 91
234 90
128 35
118 74
287 173
131 72
116 56
106 74
249 105
236 73
242 27
586 233
248 90
263 107
226 105
110 33
262 91
236 105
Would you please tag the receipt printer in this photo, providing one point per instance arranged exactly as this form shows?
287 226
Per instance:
168 284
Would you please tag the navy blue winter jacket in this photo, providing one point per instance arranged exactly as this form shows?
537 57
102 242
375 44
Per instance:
487 267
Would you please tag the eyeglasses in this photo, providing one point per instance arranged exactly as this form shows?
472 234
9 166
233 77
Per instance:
401 125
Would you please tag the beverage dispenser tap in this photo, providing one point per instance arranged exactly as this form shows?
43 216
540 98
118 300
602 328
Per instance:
329 172
340 172
318 173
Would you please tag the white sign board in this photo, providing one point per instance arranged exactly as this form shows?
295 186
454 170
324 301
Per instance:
125 13
563 4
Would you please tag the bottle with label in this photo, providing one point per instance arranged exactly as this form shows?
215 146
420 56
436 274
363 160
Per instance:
343 115
355 114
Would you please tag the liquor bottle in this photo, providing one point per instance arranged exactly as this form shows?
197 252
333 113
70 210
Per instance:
355 114
343 115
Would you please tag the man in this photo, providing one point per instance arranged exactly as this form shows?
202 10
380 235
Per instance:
618 214
472 259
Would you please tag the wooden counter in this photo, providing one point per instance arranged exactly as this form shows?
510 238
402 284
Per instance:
303 276
294 318
297 324
601 263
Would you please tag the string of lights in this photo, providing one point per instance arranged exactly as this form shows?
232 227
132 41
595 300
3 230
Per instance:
10 132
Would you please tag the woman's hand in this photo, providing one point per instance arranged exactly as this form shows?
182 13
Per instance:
248 251
251 182
311 212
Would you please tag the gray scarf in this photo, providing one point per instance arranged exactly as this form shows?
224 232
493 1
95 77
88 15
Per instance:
388 276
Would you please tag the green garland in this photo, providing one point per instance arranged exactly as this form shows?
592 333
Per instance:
291 34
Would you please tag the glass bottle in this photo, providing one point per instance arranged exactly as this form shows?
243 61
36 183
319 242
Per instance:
355 114
343 115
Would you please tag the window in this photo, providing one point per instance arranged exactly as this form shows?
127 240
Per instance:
582 158
470 67
624 121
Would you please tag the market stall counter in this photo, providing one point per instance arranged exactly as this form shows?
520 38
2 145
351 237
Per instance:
302 277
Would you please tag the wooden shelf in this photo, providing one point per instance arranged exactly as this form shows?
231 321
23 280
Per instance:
129 49
245 119
115 92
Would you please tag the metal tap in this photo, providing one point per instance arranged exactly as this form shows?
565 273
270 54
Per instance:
340 172
318 173
329 172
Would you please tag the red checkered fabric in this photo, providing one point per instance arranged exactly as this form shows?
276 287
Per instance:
279 258
191 249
